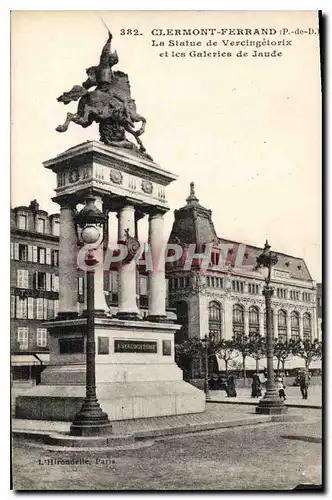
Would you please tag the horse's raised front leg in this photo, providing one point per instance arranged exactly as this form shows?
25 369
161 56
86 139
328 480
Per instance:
84 120
64 127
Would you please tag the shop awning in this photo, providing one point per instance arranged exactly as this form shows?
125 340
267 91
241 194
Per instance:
44 357
24 360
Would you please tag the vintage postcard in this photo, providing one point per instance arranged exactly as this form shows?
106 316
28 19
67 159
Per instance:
166 282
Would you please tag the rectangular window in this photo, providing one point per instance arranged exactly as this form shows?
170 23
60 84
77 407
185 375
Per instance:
48 256
12 306
181 282
23 252
11 250
22 222
21 308
41 337
30 308
40 225
56 228
40 281
22 278
23 337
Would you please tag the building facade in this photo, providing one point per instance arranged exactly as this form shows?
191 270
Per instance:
34 284
34 281
225 298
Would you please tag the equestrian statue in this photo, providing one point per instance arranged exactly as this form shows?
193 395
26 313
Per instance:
110 104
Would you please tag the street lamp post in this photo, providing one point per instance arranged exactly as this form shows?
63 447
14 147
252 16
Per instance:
206 342
270 403
90 420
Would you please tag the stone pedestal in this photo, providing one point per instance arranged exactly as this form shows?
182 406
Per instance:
144 383
136 375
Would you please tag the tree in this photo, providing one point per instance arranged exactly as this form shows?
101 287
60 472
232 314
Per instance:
257 348
283 351
242 345
308 350
193 348
226 351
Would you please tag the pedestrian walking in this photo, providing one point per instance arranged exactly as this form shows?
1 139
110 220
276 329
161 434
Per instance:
256 389
231 388
304 383
280 386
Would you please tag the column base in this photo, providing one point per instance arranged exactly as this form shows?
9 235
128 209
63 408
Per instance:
157 318
97 313
128 316
91 421
271 404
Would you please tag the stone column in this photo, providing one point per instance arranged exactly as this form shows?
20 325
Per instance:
262 322
288 320
156 276
315 326
301 325
68 250
275 323
228 318
127 272
246 320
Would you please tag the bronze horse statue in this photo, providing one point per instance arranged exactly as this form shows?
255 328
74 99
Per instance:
110 104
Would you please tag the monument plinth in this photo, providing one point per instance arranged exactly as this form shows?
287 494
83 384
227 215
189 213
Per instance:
136 375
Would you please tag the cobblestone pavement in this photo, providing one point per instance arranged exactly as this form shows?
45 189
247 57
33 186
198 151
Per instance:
293 396
265 456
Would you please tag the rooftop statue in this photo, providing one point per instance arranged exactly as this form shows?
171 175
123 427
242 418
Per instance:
109 104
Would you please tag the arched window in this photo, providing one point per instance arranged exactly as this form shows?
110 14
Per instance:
307 326
295 325
238 320
253 320
282 326
182 316
215 320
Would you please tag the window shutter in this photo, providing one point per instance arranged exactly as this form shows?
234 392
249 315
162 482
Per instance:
34 254
30 253
48 256
48 282
25 278
12 306
30 307
16 251
45 308
40 305
11 250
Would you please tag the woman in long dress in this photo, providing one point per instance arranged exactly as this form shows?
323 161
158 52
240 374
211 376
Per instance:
256 390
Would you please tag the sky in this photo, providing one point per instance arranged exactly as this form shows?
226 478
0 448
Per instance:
247 131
